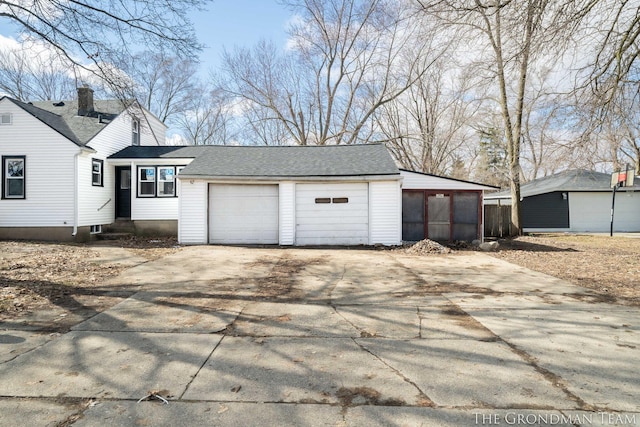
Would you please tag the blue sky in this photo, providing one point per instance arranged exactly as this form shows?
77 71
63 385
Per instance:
226 23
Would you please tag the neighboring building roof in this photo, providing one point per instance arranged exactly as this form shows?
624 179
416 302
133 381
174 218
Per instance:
162 151
84 127
292 161
567 181
278 161
52 120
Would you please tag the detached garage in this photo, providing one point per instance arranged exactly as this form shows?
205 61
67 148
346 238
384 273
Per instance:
293 195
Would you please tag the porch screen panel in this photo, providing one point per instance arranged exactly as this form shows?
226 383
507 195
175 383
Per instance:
412 216
465 216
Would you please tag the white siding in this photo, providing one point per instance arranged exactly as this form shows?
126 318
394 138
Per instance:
244 214
153 208
418 181
591 212
49 172
287 191
332 223
96 205
192 226
157 131
385 213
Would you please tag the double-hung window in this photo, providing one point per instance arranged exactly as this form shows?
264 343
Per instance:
13 177
157 181
166 181
147 181
135 132
97 173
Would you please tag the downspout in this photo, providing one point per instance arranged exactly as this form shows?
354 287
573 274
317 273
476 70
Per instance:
75 195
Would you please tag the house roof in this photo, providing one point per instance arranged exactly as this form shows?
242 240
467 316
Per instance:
278 161
162 151
63 117
451 182
84 127
50 119
567 181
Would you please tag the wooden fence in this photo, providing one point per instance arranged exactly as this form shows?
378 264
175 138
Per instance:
497 221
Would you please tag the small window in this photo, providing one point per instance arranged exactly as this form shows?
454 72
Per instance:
340 200
6 119
146 182
323 200
95 229
135 132
13 173
166 181
96 172
125 179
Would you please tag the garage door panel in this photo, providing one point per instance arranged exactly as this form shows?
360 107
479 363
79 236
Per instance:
332 223
243 214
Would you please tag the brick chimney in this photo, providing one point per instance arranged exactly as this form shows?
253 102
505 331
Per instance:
85 101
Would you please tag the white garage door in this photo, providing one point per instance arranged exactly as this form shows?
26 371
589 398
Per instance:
332 214
243 214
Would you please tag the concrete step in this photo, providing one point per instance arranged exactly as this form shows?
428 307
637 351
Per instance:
120 226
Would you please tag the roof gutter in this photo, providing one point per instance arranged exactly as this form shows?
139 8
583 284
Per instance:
346 178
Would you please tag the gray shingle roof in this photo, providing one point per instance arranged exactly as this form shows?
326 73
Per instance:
280 161
292 161
162 151
84 128
571 180
50 119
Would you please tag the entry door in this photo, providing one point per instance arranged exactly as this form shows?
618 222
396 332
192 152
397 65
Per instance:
123 191
439 217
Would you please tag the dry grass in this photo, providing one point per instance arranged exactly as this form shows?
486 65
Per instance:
608 265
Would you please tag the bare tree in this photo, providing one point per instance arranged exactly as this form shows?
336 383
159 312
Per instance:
39 77
94 35
165 85
516 32
344 62
427 126
209 121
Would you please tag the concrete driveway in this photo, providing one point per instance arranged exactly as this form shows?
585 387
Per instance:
244 336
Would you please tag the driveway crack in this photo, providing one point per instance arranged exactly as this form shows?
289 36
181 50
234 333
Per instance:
423 399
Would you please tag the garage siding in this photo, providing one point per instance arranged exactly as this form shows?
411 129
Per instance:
243 214
333 223
192 206
385 213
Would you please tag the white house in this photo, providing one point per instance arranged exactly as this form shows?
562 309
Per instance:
293 195
56 181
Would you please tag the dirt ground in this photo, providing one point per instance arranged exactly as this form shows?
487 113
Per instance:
40 276
608 265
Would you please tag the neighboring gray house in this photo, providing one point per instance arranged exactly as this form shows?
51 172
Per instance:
574 201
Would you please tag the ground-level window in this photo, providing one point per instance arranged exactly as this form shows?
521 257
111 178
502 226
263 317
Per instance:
96 172
95 229
13 174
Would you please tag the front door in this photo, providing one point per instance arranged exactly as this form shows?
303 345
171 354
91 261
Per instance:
123 191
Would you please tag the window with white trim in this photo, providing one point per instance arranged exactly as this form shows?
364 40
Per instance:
135 132
6 119
146 181
166 181
97 172
13 177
